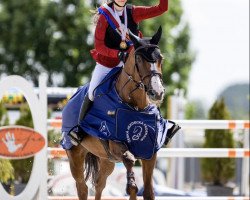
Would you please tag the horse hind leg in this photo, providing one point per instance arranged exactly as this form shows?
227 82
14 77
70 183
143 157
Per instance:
76 157
106 168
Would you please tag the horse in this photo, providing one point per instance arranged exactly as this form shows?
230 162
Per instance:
138 84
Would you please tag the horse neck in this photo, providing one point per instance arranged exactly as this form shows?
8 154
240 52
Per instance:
137 98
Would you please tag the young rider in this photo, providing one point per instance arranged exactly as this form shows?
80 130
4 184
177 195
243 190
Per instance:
112 44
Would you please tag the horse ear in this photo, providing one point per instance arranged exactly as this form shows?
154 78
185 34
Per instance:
135 39
157 36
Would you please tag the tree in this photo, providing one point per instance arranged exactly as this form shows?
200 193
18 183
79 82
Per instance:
65 49
194 110
174 44
237 100
4 118
45 36
25 118
6 172
18 36
218 171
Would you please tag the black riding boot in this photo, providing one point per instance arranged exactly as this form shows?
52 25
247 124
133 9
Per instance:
86 105
171 132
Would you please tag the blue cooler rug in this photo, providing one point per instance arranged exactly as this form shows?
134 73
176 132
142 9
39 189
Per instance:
143 132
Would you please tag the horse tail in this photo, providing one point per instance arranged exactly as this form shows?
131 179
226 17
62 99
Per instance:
91 167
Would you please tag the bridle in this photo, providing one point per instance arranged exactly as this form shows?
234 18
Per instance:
153 73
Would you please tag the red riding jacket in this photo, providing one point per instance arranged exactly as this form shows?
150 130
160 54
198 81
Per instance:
107 56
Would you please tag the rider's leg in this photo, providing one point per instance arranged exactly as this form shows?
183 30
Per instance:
98 74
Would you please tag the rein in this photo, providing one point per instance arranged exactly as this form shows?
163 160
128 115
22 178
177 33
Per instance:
140 84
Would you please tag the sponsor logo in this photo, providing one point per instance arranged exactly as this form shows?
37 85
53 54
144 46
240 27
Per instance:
104 128
136 131
20 142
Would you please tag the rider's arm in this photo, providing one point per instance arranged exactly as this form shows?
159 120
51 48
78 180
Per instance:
145 12
100 46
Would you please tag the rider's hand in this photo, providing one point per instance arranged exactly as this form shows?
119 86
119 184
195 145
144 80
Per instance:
123 55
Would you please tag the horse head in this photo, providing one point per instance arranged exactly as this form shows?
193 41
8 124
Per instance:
148 62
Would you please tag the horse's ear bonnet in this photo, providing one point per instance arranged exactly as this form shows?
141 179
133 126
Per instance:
157 36
150 52
135 39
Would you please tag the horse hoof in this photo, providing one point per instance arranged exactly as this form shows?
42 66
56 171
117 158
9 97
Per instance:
131 187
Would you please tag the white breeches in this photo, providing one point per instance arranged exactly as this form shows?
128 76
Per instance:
98 74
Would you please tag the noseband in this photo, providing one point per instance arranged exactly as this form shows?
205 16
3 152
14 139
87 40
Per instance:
140 84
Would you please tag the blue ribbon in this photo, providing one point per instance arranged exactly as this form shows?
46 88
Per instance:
111 23
102 12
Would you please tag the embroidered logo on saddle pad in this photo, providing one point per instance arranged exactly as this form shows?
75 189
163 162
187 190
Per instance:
138 130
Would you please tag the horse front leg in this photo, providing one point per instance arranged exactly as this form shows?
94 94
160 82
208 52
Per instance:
76 157
120 152
147 171
106 168
129 161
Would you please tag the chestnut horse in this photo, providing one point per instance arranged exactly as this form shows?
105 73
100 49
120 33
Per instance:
138 84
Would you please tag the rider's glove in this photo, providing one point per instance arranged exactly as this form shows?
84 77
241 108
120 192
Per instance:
123 55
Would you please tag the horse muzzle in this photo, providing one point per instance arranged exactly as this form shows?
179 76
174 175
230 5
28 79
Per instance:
155 96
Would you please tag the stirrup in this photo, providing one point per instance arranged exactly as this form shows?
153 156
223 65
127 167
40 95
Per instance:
75 137
171 132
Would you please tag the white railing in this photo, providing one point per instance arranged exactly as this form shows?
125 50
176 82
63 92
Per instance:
179 152
156 198
188 124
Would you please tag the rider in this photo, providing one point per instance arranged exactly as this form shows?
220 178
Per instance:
112 43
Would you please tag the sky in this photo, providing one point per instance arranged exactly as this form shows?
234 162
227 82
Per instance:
220 38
